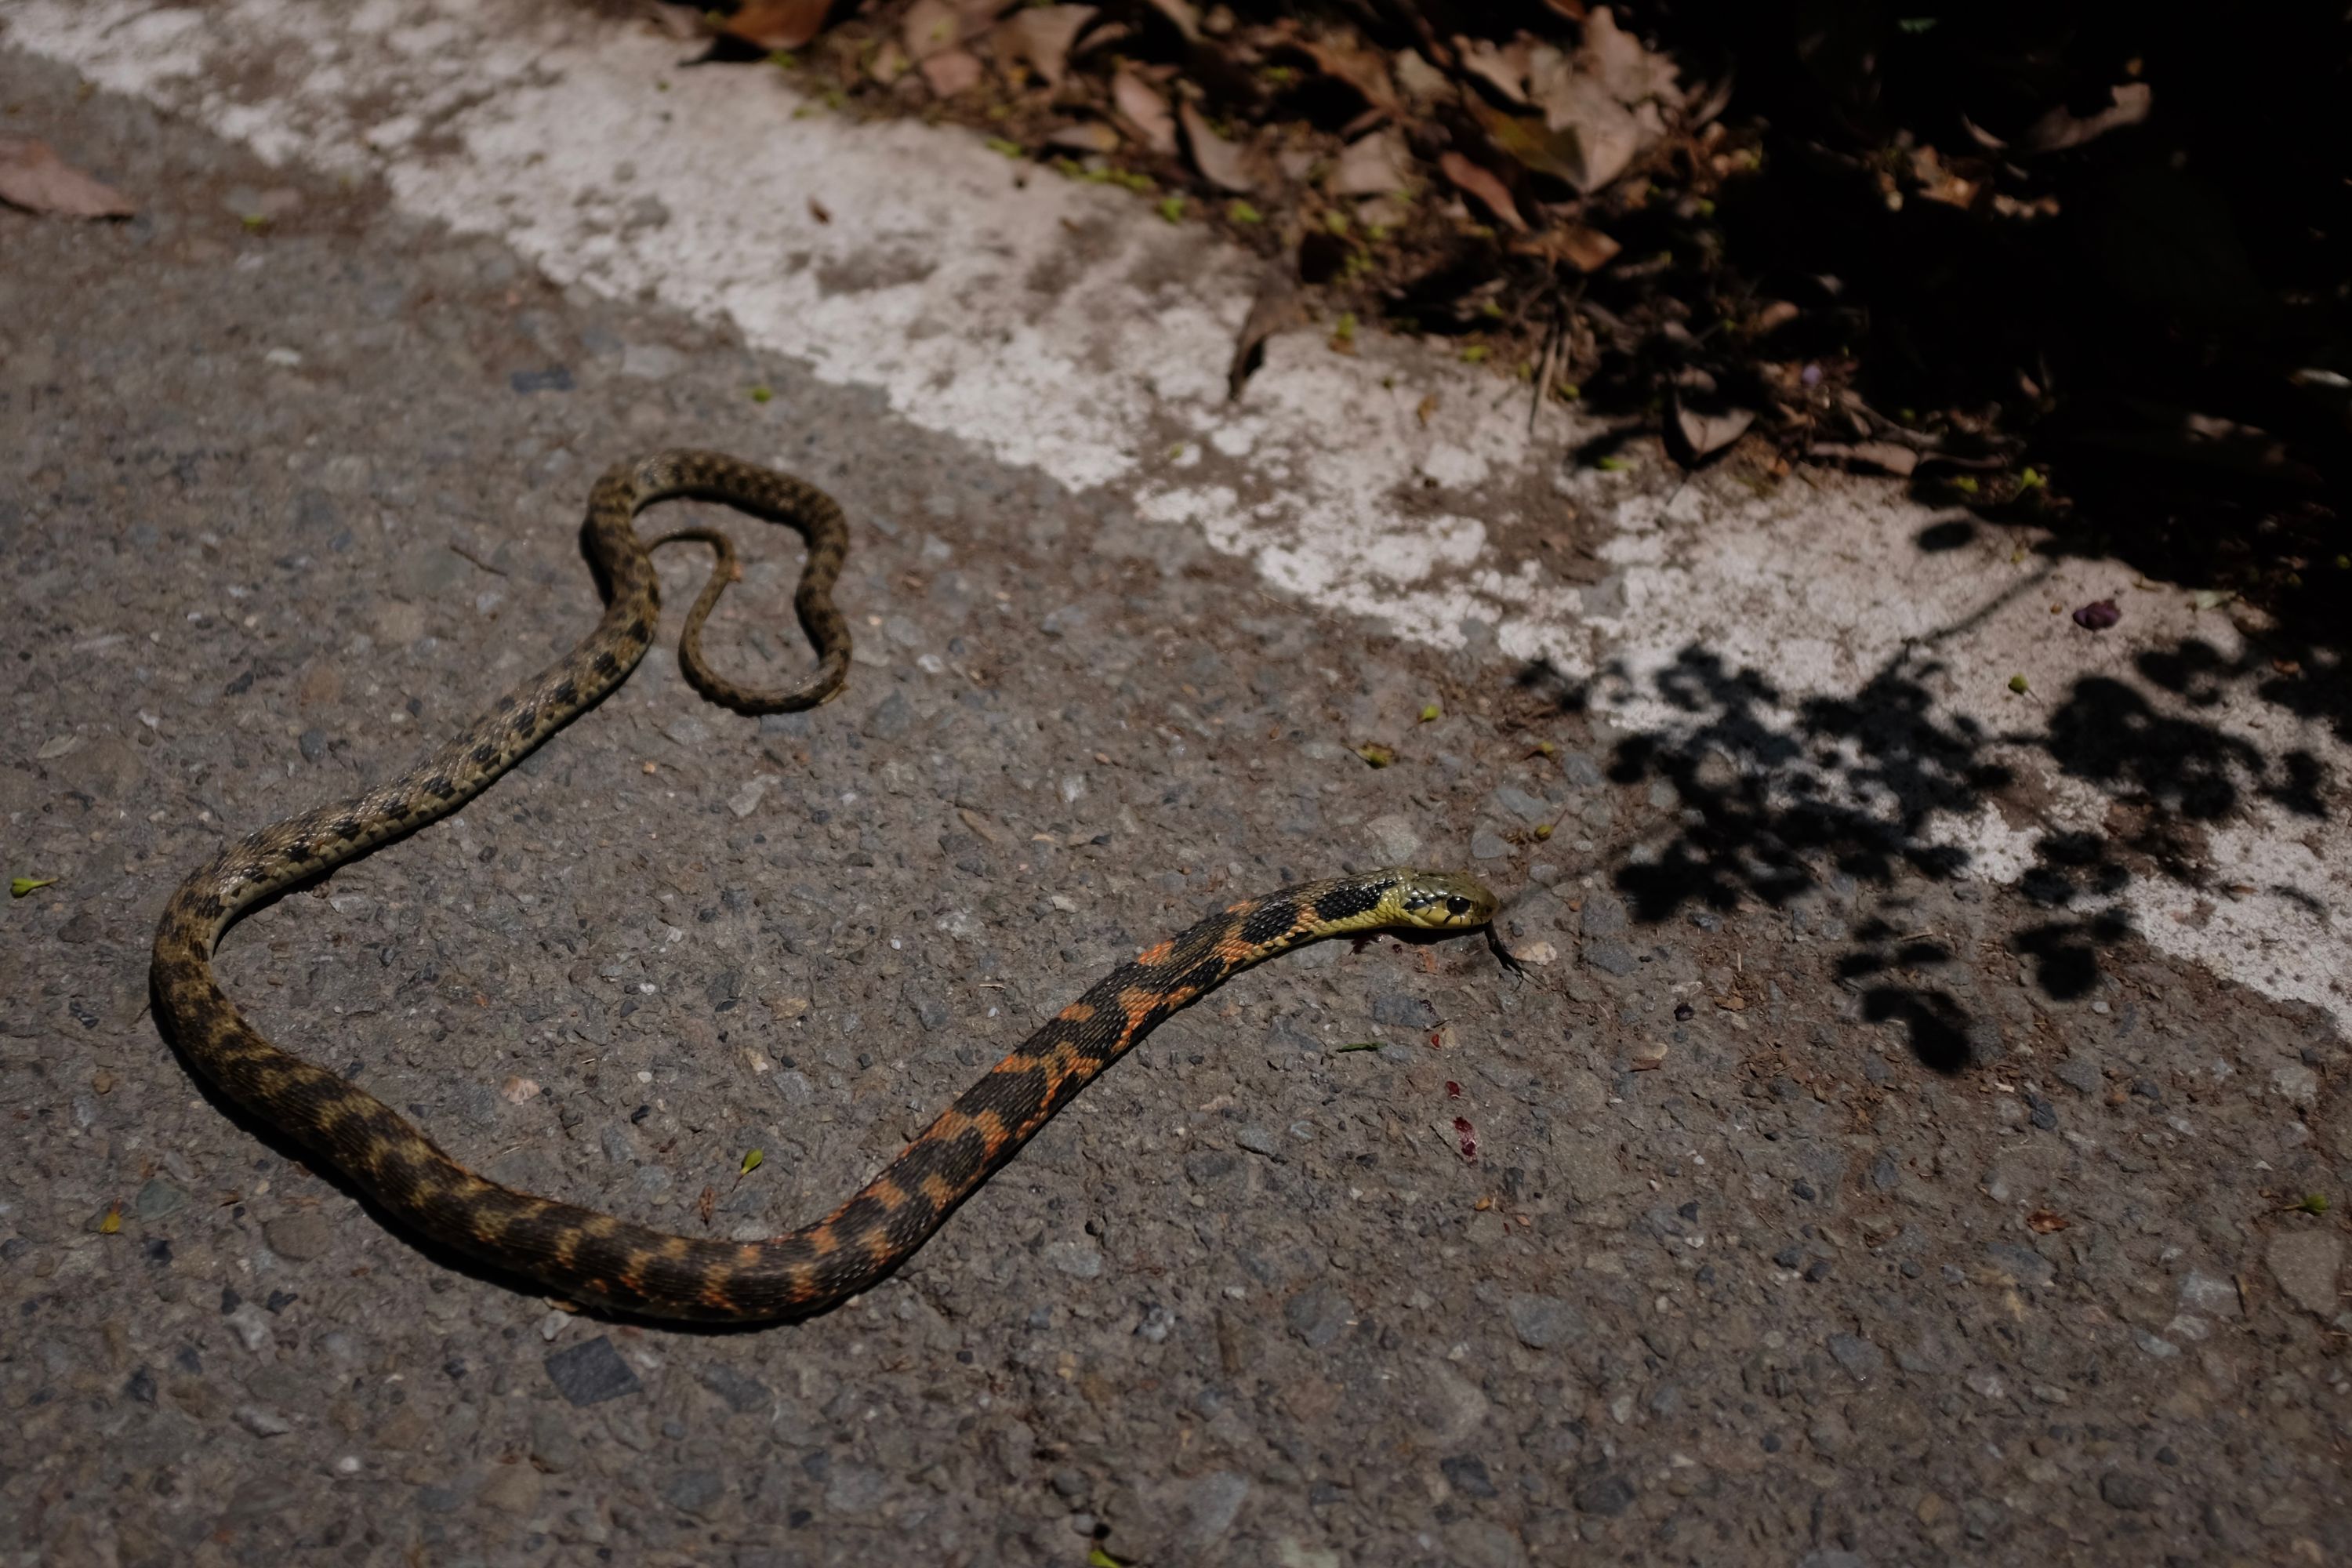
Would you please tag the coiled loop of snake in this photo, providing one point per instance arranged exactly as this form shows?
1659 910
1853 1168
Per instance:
598 1258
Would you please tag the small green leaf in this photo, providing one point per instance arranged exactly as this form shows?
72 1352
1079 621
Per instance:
1965 483
1372 752
2213 598
2313 1203
1335 221
1430 713
1241 212
2031 479
1543 831
1173 210
2017 684
1009 149
1474 355
753 1161
782 60
1358 1046
20 885
761 394
1098 1558
1614 465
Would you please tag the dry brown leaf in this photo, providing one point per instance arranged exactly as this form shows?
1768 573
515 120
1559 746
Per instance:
777 23
2044 1221
35 178
1481 183
1366 71
1937 183
1373 166
1087 136
1886 457
1144 110
932 28
1186 19
1586 136
1277 306
957 71
1226 165
2128 105
1503 67
1704 432
890 62
1529 142
1631 73
1041 38
1581 246
1421 82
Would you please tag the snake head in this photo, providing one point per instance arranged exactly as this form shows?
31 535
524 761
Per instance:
1443 900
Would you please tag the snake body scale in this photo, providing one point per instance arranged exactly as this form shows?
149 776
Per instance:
598 1259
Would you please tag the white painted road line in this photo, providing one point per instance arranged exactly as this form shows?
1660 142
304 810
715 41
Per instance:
1065 327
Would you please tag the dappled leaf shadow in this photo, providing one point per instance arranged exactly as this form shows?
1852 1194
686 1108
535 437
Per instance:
1782 795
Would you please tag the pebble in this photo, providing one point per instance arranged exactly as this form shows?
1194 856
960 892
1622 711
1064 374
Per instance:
891 718
744 1396
1394 838
250 1325
1467 1475
158 1199
2081 1074
1606 1496
300 1236
2295 1083
1319 1316
1518 803
1078 1259
1404 1012
1604 915
2304 1262
1212 1504
1861 1359
1612 957
591 1372
651 362
554 1446
512 1489
262 1423
1257 1141
2125 1490
1543 1322
1488 845
694 1490
2022 1264
2203 1293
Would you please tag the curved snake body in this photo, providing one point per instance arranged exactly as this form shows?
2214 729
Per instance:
597 1257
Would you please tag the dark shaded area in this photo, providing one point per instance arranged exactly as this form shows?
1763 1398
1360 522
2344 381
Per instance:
2081 268
1783 797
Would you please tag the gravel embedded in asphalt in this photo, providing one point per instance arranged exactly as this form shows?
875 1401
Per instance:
288 504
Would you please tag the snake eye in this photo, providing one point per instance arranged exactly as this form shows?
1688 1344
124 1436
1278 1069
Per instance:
1456 905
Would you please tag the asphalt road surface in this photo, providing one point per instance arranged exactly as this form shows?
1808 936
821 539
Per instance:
1826 1192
